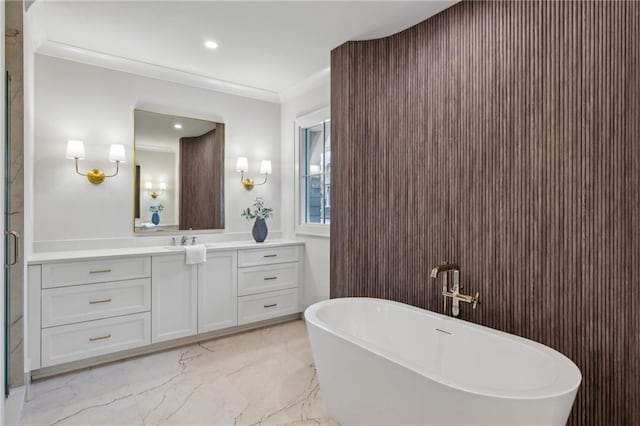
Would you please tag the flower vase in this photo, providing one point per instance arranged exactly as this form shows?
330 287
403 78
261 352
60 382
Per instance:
260 230
155 218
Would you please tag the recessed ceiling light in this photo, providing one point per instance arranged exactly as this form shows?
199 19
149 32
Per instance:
211 44
177 126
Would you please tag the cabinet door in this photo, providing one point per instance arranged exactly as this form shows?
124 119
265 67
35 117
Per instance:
174 298
217 292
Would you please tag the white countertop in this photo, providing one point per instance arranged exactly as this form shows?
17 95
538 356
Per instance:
57 256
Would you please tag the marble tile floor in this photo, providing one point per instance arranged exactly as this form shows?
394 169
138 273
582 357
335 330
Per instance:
261 377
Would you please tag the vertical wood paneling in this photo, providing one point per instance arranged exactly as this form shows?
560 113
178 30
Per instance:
504 136
202 179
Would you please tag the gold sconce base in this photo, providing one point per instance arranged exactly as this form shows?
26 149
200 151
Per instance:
154 195
248 184
96 176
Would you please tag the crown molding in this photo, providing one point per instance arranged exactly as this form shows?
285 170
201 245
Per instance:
118 63
311 82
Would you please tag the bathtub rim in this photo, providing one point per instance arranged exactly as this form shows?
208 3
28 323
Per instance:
310 316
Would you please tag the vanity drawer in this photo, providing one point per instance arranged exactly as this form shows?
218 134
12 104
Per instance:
263 306
267 256
67 305
260 279
95 271
78 341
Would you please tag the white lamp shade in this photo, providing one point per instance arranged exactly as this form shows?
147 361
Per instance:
116 153
242 165
75 149
265 167
163 186
314 169
148 185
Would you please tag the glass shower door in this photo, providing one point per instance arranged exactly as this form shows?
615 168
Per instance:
7 235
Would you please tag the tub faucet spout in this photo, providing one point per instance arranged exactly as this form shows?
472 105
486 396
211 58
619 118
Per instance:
445 267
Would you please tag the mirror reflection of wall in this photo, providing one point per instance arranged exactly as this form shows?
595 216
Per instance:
158 179
179 173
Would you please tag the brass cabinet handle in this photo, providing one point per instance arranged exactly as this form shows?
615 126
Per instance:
270 255
106 336
93 302
270 278
271 305
100 271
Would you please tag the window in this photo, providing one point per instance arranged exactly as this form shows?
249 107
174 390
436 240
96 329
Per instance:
313 146
316 168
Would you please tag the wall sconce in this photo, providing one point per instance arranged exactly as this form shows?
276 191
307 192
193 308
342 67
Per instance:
75 151
242 166
154 194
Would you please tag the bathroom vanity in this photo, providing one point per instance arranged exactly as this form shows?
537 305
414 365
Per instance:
95 306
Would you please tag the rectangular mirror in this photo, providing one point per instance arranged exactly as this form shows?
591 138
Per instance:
179 173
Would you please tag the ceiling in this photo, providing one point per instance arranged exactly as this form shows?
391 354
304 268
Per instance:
272 46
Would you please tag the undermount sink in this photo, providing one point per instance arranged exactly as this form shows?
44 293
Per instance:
173 248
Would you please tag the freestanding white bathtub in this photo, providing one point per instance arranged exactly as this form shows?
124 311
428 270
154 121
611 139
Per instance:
383 362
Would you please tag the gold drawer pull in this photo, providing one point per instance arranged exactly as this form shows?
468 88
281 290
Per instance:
93 302
270 278
271 305
100 271
106 336
270 255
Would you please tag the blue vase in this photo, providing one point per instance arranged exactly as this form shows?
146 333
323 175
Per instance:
155 218
260 230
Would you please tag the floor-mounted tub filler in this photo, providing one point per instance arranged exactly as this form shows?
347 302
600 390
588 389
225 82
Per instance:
384 362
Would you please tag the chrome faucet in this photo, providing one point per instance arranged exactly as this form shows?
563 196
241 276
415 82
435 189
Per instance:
183 240
453 294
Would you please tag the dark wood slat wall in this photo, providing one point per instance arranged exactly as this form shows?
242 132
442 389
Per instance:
504 136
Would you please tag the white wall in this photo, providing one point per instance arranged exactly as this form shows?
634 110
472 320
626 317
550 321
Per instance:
316 286
93 104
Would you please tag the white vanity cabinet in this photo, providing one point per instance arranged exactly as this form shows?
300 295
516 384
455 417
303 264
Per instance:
268 283
174 302
217 291
102 306
89 308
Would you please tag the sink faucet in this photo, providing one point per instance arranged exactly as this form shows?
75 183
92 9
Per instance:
453 294
183 240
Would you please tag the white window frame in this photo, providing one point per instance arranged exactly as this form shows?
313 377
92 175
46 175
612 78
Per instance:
305 121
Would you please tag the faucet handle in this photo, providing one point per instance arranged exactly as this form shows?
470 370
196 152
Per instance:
173 241
475 300
193 240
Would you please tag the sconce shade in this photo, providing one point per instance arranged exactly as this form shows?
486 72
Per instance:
75 149
116 153
314 169
163 186
242 165
265 167
148 185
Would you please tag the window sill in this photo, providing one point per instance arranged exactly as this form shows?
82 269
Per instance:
314 230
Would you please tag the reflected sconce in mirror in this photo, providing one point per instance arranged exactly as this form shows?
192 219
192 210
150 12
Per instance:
242 166
75 151
155 194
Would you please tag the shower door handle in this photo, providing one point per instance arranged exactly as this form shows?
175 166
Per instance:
16 247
